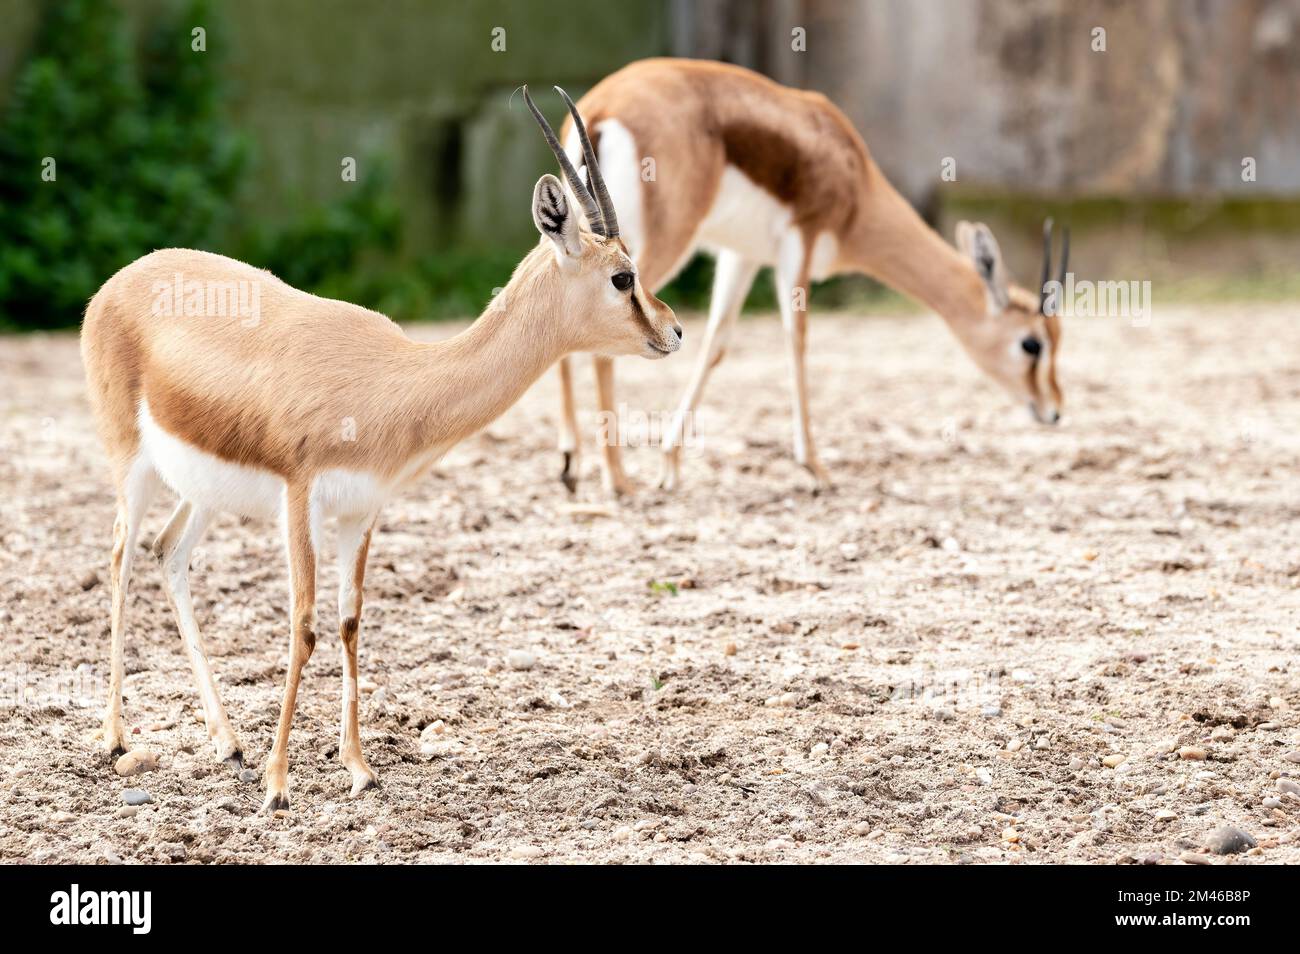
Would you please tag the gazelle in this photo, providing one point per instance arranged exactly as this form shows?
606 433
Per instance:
320 409
763 174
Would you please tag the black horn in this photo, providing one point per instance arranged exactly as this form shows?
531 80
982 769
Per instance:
571 174
1047 266
594 177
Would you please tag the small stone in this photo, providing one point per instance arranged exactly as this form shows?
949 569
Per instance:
1194 858
520 659
1010 835
1229 840
136 762
433 732
991 712
127 811
136 796
784 701
1288 785
1113 761
944 715
525 851
1272 801
90 580
1221 734
820 749
1192 753
1164 814
1015 745
62 817
1075 764
248 775
862 828
1292 756
729 649
589 824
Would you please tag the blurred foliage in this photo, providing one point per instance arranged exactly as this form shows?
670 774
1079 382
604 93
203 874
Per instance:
142 158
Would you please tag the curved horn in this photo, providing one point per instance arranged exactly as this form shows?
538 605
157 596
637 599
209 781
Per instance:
1065 253
594 176
1047 265
575 181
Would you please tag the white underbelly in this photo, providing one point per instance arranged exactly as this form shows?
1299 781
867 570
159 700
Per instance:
218 485
746 219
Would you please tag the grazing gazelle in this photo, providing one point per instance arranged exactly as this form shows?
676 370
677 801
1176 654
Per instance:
318 409
767 175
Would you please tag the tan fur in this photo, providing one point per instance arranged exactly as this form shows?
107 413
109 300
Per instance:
310 385
695 118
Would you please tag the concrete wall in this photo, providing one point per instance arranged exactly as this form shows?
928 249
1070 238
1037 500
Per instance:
1015 92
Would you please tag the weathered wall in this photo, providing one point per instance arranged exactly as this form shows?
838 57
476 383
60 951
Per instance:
1016 94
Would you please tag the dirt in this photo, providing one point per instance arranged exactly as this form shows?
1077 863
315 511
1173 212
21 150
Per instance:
938 661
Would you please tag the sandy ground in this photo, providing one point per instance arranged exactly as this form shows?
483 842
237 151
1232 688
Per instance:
935 662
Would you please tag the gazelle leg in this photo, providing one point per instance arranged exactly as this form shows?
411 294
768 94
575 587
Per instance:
354 545
301 543
570 445
732 278
611 456
173 549
136 492
792 294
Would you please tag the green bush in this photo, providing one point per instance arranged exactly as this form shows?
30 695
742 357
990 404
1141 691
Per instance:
141 156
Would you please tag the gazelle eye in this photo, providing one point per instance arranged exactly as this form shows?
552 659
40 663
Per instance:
622 280
1032 346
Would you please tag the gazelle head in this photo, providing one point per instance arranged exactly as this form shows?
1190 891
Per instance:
1019 339
608 310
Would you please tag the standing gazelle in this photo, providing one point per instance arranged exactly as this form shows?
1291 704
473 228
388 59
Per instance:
768 175
322 409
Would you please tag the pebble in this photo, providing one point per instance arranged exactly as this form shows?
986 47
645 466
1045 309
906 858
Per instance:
991 712
136 762
1272 801
127 811
729 649
1112 761
90 580
1194 858
1292 756
136 796
784 701
1229 840
1015 745
62 817
1288 785
433 731
821 748
248 775
525 851
520 659
1221 734
862 828
1164 814
944 715
1192 753
1010 835
1075 764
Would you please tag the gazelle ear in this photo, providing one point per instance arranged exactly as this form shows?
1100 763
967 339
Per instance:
977 241
554 217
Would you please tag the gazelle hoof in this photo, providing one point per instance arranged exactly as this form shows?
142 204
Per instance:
235 761
569 475
364 783
275 801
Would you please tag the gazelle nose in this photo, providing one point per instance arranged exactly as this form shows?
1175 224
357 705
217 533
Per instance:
677 330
